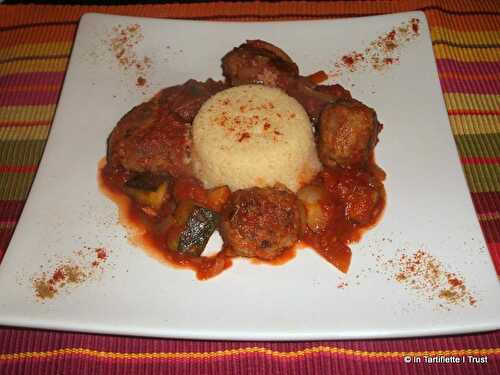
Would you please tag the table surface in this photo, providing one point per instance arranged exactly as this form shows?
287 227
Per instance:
35 44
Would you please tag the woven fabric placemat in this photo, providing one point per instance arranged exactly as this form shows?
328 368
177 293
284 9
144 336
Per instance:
35 45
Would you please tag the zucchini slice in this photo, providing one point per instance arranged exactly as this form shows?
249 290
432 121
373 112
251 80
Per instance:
200 225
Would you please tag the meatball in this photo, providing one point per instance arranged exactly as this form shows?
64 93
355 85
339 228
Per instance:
154 137
150 139
259 62
314 98
348 133
261 222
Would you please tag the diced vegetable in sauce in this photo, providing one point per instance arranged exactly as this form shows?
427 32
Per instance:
311 196
148 190
200 225
218 197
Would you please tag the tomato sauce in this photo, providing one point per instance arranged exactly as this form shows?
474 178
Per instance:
151 233
332 243
154 232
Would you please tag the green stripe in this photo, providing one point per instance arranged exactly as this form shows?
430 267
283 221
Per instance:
15 186
478 145
483 178
21 152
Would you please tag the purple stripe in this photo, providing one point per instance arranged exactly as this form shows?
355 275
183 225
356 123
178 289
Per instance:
47 340
486 202
450 66
470 86
5 236
32 79
29 98
10 210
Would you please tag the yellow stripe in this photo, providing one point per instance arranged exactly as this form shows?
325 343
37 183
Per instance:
27 113
489 216
7 225
35 88
465 37
242 351
36 49
482 178
35 66
461 125
443 51
25 132
456 101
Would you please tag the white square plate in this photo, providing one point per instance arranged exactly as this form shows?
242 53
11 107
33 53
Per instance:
428 204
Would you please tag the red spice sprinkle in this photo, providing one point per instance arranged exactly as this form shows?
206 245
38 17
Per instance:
101 253
342 285
67 273
426 275
414 25
58 275
277 132
141 81
122 41
348 60
244 136
381 52
267 126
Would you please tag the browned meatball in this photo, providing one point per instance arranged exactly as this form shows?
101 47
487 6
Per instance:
261 222
314 98
149 139
347 133
259 62
155 136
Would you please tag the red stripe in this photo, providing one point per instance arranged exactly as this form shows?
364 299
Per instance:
10 223
474 112
478 160
491 230
495 255
18 168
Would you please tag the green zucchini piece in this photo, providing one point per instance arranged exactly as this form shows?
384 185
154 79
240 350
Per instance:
199 227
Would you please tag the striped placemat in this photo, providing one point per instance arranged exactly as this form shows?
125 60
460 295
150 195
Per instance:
35 44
